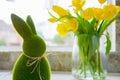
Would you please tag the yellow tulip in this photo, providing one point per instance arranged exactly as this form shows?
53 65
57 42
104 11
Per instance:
87 14
102 1
59 10
118 8
97 13
72 24
62 30
52 20
68 24
78 4
109 11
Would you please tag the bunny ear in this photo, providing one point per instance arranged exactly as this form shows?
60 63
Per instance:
21 27
31 24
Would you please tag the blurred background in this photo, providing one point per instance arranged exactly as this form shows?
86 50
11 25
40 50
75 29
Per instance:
10 41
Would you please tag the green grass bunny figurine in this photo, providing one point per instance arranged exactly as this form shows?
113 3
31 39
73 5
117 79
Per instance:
32 64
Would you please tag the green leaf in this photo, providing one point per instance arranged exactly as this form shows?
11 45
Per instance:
108 47
102 27
88 44
86 27
90 28
81 24
93 22
83 41
93 45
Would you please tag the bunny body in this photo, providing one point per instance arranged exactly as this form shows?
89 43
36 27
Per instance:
31 64
23 72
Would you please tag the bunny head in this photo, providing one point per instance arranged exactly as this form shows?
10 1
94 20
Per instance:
33 45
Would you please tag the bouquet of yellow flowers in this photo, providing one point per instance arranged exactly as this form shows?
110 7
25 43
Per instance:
98 18
88 25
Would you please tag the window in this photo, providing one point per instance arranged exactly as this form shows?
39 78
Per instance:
38 9
112 30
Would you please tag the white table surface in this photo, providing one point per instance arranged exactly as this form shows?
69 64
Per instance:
6 75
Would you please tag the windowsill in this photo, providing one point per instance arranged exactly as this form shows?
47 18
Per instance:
61 61
7 75
68 76
49 49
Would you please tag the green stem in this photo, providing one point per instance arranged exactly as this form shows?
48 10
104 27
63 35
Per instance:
98 63
84 70
52 15
83 63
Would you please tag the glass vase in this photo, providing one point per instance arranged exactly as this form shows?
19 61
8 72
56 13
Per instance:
89 61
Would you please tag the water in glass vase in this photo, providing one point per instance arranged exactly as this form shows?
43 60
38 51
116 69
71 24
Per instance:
89 61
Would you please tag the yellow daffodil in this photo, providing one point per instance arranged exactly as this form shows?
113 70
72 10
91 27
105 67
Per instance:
62 30
78 4
87 14
109 11
59 10
52 20
97 13
102 1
